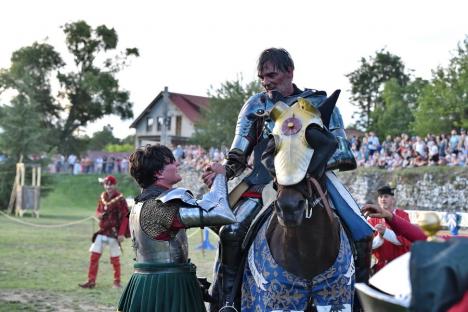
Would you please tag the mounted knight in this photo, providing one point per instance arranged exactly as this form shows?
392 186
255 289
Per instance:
253 130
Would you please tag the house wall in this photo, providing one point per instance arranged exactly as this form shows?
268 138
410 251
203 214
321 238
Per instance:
156 112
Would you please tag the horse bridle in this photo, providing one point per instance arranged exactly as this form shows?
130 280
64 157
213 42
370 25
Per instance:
311 183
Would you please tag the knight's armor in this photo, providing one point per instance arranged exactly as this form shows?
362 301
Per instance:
162 268
253 127
153 216
251 136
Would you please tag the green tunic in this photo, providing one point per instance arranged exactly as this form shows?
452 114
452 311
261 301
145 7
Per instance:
162 288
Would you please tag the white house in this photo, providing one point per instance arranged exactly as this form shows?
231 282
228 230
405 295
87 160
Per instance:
182 112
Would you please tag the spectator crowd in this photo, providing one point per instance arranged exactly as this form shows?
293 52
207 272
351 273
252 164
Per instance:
404 151
189 156
93 162
398 152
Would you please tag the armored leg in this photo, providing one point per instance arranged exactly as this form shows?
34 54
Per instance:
230 250
363 265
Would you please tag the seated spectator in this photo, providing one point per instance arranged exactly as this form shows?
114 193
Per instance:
452 160
419 161
433 153
397 161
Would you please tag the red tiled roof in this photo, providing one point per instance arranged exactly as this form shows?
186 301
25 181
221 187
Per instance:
189 105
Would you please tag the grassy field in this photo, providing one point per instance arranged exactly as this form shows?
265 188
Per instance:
41 265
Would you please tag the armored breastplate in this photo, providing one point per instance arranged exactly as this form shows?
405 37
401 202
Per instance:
150 250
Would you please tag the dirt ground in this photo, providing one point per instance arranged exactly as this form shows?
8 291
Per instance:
42 301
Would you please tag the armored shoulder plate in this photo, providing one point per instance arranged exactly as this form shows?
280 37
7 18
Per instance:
179 193
257 106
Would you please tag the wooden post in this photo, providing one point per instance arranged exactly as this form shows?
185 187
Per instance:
33 176
21 166
19 182
38 184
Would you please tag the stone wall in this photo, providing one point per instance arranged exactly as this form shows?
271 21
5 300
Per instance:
428 188
439 189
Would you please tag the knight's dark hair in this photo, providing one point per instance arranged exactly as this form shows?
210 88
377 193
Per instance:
148 160
278 57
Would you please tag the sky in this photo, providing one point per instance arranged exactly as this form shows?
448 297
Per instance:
193 46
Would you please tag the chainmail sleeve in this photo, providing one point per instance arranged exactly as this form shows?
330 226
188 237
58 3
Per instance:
157 217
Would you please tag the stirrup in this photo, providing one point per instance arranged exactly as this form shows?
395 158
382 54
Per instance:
228 308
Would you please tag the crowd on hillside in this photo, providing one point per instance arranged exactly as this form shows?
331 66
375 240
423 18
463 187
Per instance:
93 162
392 153
404 151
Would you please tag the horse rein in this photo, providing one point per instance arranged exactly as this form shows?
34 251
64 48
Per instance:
312 182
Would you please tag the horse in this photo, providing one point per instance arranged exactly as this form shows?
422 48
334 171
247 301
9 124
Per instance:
301 258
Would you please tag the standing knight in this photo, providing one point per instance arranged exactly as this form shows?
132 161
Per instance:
164 278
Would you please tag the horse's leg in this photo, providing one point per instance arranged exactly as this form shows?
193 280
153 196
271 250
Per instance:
230 250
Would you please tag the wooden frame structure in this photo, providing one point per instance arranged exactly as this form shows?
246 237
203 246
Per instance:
27 197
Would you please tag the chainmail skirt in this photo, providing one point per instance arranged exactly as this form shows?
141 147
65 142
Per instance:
162 288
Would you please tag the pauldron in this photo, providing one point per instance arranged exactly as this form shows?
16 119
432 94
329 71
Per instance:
257 106
293 153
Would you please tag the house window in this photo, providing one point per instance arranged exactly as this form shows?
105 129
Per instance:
149 124
178 126
160 123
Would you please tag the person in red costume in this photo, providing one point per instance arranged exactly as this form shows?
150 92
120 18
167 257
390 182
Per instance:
386 245
112 212
412 233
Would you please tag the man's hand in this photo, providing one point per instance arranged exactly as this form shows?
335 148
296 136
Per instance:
120 238
211 171
374 211
380 228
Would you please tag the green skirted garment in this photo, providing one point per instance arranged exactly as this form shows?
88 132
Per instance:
162 288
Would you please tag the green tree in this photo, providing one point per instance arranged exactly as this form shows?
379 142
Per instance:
395 116
443 104
217 124
130 139
367 83
22 133
119 148
100 139
88 92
